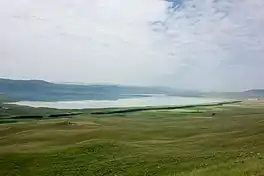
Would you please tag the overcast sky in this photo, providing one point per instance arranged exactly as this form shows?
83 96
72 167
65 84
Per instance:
194 44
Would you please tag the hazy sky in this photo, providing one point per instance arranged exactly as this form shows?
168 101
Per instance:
194 44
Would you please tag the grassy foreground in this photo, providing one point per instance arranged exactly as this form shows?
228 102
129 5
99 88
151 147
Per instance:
184 142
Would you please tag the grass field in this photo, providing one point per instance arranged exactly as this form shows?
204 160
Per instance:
184 142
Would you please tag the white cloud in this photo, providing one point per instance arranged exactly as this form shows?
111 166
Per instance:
214 35
205 44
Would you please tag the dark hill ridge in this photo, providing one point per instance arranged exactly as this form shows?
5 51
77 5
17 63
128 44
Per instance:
7 85
257 91
38 90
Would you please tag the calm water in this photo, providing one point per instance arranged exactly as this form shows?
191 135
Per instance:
132 102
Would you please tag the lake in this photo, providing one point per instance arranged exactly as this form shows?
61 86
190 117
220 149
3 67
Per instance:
157 100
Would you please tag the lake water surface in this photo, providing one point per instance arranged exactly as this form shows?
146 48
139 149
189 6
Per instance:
131 102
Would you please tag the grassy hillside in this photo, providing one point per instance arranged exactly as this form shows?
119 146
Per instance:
185 142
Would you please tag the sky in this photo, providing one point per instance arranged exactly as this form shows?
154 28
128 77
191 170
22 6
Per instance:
211 45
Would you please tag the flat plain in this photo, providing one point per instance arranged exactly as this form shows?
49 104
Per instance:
196 141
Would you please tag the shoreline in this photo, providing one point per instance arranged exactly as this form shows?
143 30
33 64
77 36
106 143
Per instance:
156 108
48 113
163 101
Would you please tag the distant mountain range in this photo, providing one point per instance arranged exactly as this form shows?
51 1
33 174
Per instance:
38 90
249 94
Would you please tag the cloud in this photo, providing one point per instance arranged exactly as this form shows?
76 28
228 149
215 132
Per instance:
198 44
220 40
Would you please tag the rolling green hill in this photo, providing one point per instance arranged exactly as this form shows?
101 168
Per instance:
184 142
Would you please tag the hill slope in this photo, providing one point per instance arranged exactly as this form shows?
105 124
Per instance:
38 90
257 93
182 142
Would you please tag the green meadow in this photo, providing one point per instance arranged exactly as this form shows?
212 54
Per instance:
217 140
